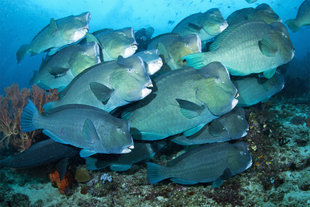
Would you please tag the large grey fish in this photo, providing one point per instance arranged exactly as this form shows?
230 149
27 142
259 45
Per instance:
152 60
253 90
115 43
42 153
173 47
107 85
230 126
206 25
262 12
123 162
58 70
302 18
57 34
208 163
94 130
248 47
185 100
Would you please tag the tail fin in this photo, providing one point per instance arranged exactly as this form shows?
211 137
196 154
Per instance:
29 115
197 60
155 172
291 23
21 52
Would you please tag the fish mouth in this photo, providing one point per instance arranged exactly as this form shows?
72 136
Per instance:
128 149
150 86
234 103
145 92
154 66
223 26
130 50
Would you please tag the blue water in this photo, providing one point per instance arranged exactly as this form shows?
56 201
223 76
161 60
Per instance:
21 20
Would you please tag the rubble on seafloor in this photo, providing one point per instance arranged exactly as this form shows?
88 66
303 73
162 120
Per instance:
278 140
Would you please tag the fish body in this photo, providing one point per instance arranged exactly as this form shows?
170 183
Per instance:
185 100
151 59
302 18
40 153
248 47
57 34
173 47
207 163
123 162
253 90
262 12
230 126
90 128
143 37
58 70
206 25
116 43
107 85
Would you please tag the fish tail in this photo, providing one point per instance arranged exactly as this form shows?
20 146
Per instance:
95 164
21 52
30 117
155 173
291 23
197 60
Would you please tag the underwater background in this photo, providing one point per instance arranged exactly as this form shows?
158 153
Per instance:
278 137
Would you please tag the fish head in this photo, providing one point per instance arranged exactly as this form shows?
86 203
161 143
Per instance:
240 158
118 140
78 28
186 45
120 43
280 36
216 90
213 22
275 84
152 60
265 13
131 80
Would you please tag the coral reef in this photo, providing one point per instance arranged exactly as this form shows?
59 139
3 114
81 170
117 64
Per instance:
11 106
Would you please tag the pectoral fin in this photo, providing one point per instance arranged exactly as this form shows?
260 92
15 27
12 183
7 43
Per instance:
52 27
268 47
58 72
269 73
61 167
194 27
89 132
190 109
87 153
101 91
194 130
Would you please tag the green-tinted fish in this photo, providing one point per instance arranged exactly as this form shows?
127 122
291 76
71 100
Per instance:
185 100
230 126
58 70
116 43
107 85
90 128
254 90
262 12
206 25
153 62
123 162
56 34
248 47
302 18
208 163
173 47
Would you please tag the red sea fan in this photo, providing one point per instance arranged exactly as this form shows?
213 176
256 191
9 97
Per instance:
11 107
